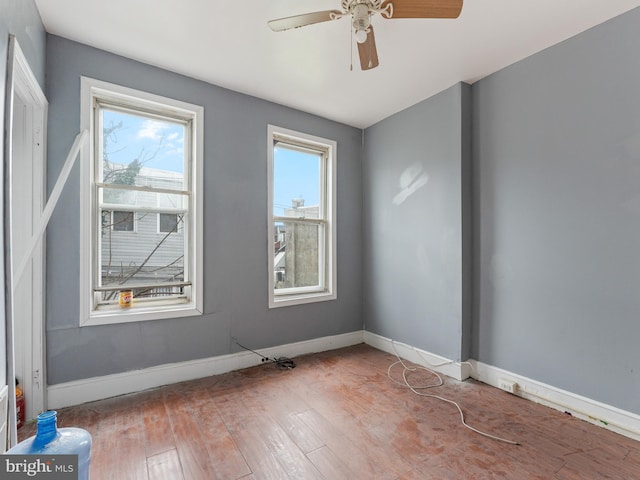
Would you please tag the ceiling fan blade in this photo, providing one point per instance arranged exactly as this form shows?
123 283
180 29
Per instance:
424 8
368 52
303 20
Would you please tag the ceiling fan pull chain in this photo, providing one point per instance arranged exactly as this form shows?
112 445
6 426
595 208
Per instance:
369 43
351 50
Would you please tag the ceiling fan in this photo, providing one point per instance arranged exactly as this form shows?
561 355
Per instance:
361 12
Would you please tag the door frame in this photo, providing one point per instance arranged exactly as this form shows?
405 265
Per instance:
22 86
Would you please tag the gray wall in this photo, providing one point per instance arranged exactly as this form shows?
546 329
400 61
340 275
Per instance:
556 143
554 190
413 241
20 18
235 239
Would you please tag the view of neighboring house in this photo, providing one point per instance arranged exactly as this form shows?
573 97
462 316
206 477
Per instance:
296 248
142 239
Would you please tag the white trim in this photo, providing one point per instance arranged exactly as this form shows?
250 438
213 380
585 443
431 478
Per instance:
459 371
115 315
4 411
22 84
97 388
603 415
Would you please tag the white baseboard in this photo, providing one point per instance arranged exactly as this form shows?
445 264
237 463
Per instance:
98 388
457 370
606 416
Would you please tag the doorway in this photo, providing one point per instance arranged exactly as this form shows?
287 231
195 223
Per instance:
25 198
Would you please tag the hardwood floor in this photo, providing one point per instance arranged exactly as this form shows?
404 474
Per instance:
338 416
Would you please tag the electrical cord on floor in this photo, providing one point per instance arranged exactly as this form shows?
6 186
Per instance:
283 362
415 389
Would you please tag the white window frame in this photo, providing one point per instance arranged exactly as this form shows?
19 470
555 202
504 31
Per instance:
328 245
91 90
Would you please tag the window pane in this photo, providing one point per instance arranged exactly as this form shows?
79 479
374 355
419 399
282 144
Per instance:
137 145
141 151
168 222
122 221
141 257
296 183
296 255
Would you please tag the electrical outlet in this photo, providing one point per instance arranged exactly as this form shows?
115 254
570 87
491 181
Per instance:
507 385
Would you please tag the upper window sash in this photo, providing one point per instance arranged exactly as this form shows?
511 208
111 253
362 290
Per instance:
169 115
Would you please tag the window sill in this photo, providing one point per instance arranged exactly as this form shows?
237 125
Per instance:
116 314
276 301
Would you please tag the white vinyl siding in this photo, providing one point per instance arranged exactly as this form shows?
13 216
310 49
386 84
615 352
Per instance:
130 247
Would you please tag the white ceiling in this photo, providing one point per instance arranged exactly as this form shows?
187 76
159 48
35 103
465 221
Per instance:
229 44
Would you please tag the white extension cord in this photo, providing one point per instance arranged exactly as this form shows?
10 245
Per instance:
416 389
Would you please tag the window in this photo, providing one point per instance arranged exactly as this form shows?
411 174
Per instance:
169 223
120 221
141 184
302 234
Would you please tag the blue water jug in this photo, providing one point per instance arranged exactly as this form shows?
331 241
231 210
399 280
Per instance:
51 440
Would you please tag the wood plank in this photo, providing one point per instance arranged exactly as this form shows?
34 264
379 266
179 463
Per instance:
594 464
283 404
633 457
242 425
271 436
329 465
226 458
351 454
346 409
193 454
285 449
157 426
165 465
103 448
131 458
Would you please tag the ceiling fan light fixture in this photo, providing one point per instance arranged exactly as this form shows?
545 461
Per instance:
361 21
361 36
